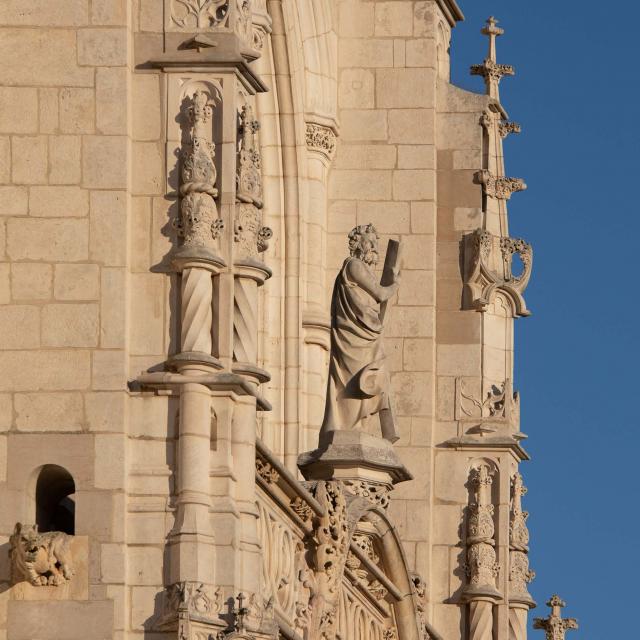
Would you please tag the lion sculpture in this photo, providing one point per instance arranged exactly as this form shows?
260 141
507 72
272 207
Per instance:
41 558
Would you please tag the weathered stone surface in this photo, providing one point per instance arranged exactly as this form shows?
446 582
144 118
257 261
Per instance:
76 282
70 325
49 411
62 240
104 162
18 110
41 57
58 202
30 281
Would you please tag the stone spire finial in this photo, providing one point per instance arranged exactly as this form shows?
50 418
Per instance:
555 626
490 70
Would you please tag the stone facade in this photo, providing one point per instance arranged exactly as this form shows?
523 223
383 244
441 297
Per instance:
178 179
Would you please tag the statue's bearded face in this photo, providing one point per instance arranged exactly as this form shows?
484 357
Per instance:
369 250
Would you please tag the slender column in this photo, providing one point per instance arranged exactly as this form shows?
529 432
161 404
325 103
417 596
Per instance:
520 601
251 239
482 568
197 260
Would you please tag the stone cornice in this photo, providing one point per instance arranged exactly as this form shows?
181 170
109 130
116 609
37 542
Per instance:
451 11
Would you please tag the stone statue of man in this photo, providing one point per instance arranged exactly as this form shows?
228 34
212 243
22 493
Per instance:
358 384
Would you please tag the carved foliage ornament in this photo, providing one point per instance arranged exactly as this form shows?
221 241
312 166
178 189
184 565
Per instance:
481 566
321 139
555 626
332 545
489 269
266 471
499 187
195 598
43 559
199 14
376 492
519 533
251 236
199 224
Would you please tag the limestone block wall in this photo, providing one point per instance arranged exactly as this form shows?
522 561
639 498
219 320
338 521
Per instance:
65 144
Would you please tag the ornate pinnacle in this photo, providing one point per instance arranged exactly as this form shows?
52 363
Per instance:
555 626
490 70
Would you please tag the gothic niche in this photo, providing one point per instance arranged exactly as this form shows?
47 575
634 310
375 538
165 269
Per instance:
249 234
488 269
198 223
40 552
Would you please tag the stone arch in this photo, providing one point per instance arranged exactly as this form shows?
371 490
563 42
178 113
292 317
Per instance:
408 617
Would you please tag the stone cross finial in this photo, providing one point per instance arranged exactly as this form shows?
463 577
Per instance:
555 626
490 70
240 613
493 31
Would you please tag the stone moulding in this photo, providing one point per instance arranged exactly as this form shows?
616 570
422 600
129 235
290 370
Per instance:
488 271
499 187
280 484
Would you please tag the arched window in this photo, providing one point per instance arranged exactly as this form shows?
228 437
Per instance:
55 506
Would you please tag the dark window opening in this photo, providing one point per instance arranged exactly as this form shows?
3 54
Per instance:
55 505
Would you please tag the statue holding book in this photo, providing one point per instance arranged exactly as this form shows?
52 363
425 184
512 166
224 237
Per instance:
358 387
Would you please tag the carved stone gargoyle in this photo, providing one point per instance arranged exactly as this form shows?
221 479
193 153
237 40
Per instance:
40 558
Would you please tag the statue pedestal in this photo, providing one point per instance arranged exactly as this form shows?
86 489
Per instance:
355 457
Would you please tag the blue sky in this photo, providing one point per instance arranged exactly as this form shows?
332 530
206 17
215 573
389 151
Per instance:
576 95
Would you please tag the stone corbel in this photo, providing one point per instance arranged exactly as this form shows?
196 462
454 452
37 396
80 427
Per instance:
499 187
488 270
43 559
321 138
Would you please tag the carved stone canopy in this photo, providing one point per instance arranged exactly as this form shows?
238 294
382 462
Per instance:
488 269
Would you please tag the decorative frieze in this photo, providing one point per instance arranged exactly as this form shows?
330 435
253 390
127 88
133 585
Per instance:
379 493
554 625
194 598
488 269
499 187
266 471
199 14
321 139
500 406
43 559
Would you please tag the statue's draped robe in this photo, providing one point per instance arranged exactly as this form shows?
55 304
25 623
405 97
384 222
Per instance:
356 345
